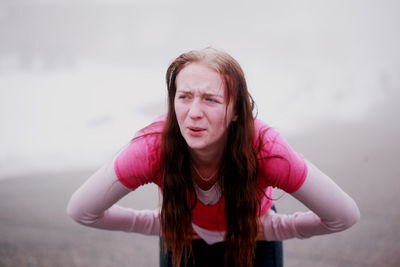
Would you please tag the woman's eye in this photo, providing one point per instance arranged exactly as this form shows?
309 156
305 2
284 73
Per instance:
183 97
210 99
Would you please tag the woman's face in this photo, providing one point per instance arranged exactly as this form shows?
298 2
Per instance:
201 107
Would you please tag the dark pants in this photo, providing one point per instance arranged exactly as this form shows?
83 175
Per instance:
267 254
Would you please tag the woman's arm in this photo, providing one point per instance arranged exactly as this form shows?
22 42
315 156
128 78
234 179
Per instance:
332 210
93 204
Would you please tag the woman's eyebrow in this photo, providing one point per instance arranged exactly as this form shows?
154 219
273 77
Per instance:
184 91
213 95
203 93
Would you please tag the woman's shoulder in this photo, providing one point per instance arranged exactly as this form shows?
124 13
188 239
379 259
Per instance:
154 128
282 166
269 141
139 161
148 139
264 132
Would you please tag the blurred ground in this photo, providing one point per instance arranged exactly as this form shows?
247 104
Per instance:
361 157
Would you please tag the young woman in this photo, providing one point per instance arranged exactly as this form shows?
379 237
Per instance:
215 165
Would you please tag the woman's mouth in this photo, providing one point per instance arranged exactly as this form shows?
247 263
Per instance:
196 131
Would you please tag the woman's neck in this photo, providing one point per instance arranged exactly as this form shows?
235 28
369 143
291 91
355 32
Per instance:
206 158
205 168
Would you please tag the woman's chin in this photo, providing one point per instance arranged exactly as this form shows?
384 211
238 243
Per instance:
198 147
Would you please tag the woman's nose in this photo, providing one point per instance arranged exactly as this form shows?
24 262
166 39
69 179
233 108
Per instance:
195 110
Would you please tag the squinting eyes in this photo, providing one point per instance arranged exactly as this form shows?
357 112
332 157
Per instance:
211 99
207 99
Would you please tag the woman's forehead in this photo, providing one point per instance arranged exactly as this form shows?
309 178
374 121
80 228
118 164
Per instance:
199 76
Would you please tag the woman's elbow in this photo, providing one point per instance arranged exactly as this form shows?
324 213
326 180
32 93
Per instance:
73 210
353 216
76 212
350 216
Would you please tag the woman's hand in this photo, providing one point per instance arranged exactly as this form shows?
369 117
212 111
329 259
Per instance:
260 225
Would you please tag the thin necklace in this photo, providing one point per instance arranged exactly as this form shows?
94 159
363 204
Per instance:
201 177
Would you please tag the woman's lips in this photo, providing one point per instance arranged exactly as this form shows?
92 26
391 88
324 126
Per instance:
196 131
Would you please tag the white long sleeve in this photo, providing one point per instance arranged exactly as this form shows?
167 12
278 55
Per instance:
93 204
332 210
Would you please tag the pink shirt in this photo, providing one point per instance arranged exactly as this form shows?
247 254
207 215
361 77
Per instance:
279 166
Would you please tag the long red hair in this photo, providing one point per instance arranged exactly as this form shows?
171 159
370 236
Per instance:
238 172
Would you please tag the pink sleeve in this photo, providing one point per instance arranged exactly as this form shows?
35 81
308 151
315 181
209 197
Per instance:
139 162
280 166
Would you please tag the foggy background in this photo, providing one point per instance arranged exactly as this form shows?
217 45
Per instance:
78 78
